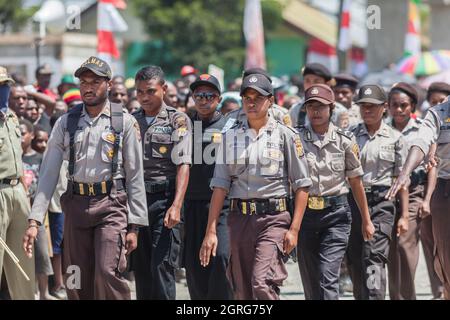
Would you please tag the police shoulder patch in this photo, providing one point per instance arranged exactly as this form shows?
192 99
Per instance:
138 131
355 150
299 147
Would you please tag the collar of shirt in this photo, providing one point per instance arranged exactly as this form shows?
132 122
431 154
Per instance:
412 124
105 112
206 123
330 135
382 131
270 126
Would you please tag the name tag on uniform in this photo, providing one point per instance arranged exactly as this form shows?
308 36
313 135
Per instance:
166 130
274 154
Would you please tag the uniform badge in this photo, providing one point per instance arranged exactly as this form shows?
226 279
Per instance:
110 137
447 120
355 150
315 91
138 131
216 137
299 147
253 79
182 132
180 122
110 153
368 91
162 149
287 120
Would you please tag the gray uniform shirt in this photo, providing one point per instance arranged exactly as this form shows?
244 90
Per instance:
436 129
331 160
275 111
411 135
93 156
262 166
382 155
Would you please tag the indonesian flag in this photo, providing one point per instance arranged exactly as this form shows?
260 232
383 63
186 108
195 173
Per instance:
345 40
254 35
323 53
412 39
109 21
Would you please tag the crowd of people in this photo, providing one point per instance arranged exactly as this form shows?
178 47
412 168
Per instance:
133 179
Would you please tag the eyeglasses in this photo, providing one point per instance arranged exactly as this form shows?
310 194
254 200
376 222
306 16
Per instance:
204 95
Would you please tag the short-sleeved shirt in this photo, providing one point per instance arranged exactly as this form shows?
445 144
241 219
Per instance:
207 138
382 155
331 160
10 146
411 134
31 165
436 129
167 142
93 148
263 165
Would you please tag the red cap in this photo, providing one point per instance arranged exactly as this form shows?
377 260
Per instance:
187 70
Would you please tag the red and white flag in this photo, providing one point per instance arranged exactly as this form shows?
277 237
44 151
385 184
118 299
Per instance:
109 21
254 35
412 38
323 53
345 39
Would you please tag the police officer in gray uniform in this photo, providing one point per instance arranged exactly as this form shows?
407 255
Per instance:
382 153
257 163
333 157
102 145
167 143
435 129
211 282
278 113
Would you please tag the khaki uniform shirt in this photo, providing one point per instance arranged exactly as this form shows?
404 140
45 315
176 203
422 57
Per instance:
382 155
331 160
10 146
93 156
262 166
167 142
436 129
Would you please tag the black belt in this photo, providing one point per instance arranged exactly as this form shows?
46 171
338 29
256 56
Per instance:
259 206
96 188
11 182
418 178
375 193
320 203
160 186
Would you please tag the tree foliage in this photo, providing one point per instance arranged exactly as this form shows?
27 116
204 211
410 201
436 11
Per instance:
13 16
200 32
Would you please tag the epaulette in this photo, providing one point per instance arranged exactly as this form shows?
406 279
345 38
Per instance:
345 133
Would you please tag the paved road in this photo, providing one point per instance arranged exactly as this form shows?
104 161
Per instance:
293 290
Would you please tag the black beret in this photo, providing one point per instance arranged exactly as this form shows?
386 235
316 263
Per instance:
407 89
439 87
317 69
345 79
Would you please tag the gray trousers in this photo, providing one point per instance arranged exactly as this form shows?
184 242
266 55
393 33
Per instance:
323 241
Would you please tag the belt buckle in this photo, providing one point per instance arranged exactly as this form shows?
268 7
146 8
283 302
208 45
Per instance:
282 205
91 189
252 208
244 207
14 182
81 188
367 189
316 203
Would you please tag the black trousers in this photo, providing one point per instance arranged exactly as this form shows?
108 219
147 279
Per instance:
322 245
210 283
157 254
367 260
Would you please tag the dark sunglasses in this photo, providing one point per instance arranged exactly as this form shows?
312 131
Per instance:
205 95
